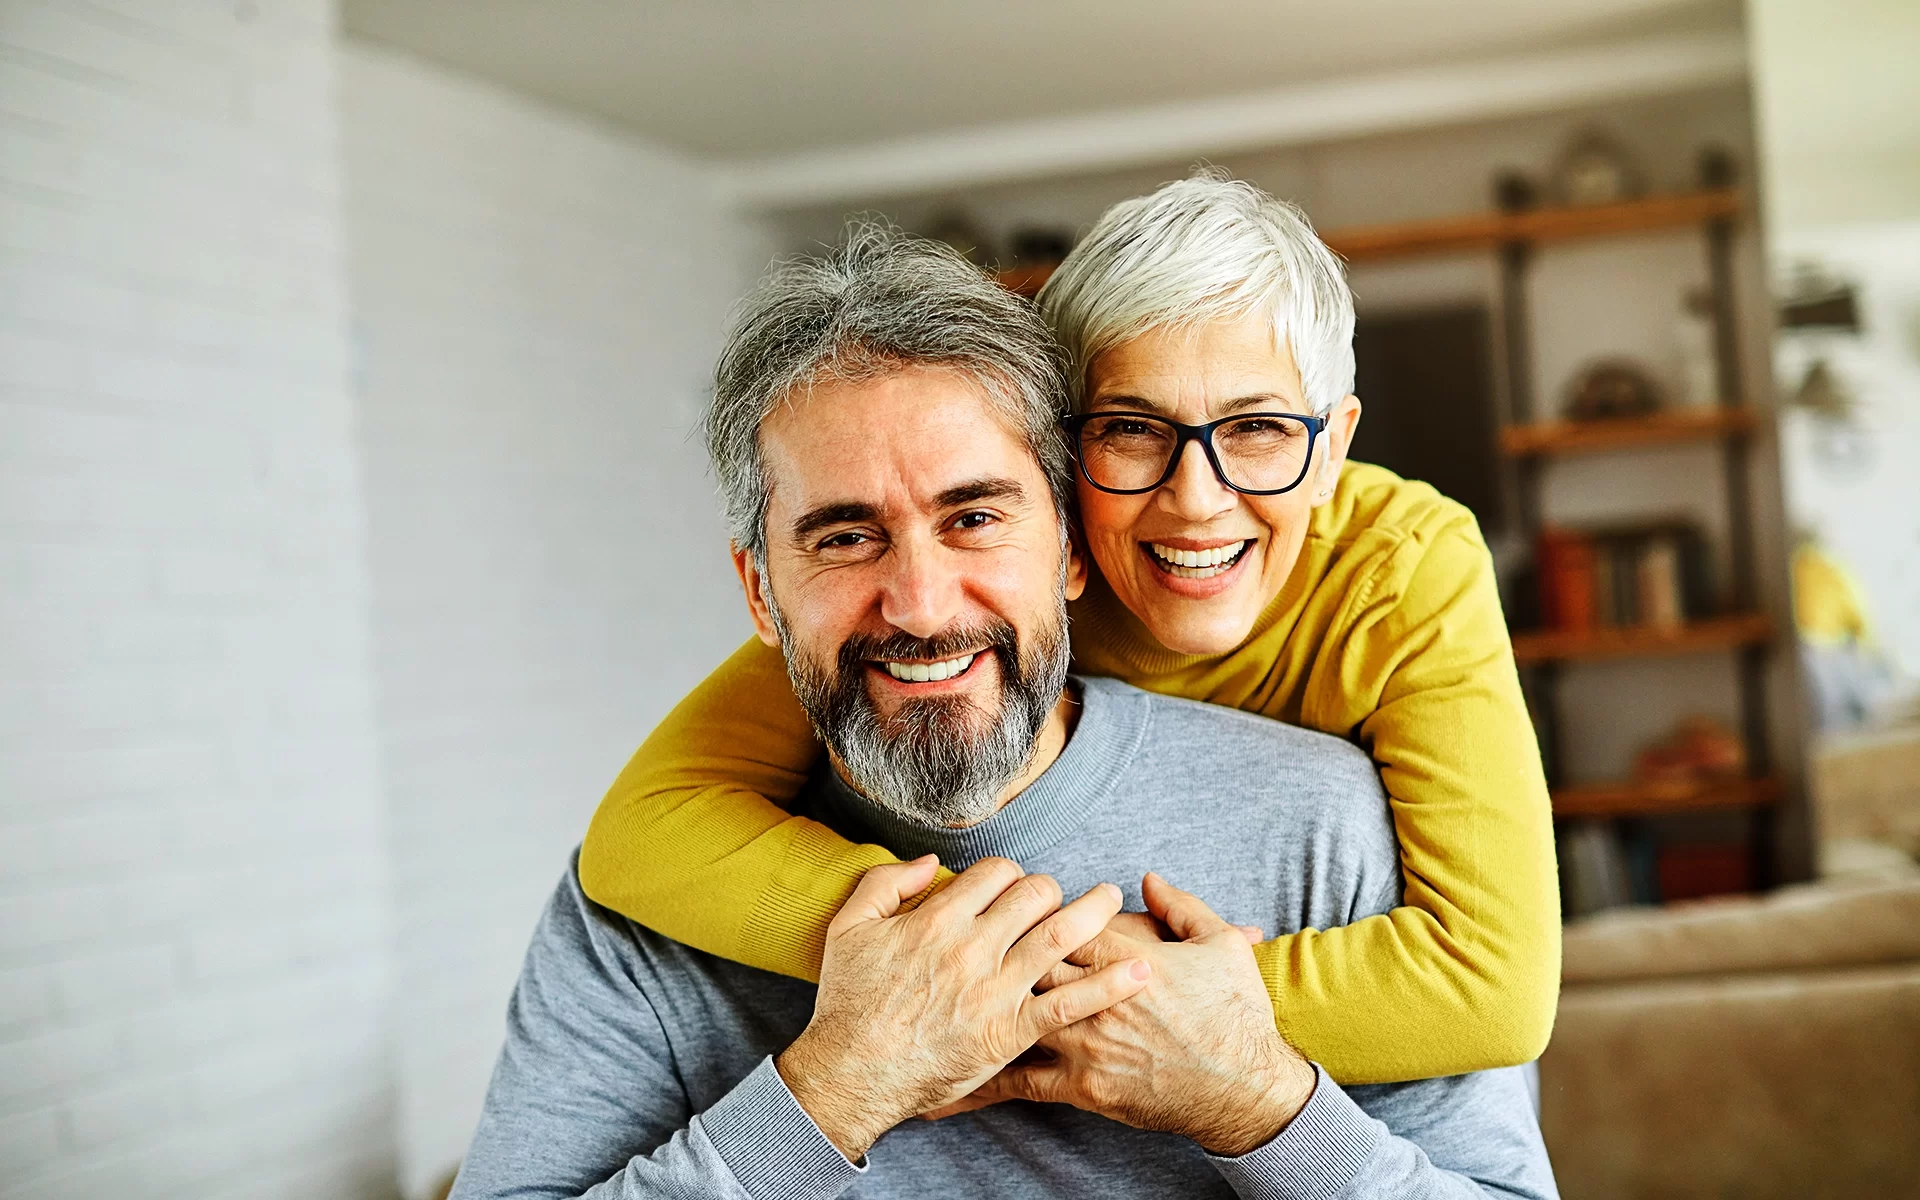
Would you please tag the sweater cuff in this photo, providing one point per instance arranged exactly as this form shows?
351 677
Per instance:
1315 1156
771 1145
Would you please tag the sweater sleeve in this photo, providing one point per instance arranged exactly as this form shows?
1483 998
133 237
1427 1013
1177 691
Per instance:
692 841
1464 975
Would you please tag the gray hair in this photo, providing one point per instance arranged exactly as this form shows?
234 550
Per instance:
880 302
1203 249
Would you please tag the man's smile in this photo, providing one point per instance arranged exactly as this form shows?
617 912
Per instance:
920 676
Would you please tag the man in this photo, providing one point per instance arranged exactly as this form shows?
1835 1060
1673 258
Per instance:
883 431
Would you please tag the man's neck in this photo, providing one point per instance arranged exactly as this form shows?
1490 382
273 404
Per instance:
1047 745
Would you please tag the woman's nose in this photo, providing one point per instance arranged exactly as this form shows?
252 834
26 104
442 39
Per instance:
1195 493
922 593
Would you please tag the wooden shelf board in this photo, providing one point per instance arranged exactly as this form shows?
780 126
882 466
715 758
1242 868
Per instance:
1669 796
1482 231
1025 281
1631 641
1479 231
1585 437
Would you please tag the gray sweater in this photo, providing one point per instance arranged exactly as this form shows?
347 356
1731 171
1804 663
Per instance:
638 1067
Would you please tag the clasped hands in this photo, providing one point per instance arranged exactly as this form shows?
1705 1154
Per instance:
993 989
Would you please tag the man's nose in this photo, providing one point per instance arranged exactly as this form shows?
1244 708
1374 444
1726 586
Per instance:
1195 493
922 593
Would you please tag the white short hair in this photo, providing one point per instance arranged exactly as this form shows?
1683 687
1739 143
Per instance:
1203 249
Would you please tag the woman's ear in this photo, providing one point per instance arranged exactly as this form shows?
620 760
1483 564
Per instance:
755 581
1076 561
1342 422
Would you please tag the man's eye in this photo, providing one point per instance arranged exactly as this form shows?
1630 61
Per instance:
973 520
843 541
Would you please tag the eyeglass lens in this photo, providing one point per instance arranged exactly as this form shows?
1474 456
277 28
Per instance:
1258 453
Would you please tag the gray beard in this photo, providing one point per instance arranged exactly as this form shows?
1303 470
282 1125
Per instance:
940 762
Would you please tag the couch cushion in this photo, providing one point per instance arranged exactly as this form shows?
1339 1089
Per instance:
1783 1086
1798 928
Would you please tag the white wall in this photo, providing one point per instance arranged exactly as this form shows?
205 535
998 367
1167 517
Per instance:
192 941
538 302
1839 114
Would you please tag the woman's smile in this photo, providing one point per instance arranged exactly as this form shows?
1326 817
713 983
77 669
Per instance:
1199 568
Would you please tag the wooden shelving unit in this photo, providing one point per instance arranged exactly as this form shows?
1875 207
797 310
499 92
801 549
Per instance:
1531 443
1587 437
1665 796
1641 641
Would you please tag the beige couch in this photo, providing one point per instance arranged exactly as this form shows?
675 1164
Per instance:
1754 1047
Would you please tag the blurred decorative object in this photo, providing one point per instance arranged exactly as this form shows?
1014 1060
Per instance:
1596 169
1040 247
1694 364
1697 748
1718 167
1817 301
1610 389
1695 870
958 230
1515 191
1821 393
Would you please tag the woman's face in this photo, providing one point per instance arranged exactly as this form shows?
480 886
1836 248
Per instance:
1195 376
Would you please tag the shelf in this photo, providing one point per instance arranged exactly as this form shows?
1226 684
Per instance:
1025 281
1586 437
1481 231
1668 796
1636 641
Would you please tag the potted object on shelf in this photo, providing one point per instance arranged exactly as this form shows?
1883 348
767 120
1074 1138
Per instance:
1613 389
1596 169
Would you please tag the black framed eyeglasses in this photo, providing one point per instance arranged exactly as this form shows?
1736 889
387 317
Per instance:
1258 454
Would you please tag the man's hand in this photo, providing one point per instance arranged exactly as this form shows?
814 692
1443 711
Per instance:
918 1009
1195 1053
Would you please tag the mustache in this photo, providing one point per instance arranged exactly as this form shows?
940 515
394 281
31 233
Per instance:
997 636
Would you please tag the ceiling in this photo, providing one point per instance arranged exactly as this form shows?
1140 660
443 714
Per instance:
744 78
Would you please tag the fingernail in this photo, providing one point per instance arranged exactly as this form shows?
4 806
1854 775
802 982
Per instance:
1140 969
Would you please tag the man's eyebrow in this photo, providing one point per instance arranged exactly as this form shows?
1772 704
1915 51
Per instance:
825 516
987 487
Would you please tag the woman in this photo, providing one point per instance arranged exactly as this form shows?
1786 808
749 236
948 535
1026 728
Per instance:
1241 560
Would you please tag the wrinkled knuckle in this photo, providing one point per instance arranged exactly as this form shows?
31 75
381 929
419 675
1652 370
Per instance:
996 867
1056 939
1037 889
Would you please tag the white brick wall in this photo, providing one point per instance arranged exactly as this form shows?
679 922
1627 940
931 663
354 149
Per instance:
538 302
192 881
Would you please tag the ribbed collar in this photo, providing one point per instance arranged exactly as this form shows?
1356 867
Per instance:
1112 725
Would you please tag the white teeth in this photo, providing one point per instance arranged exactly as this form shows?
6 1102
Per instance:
929 672
1197 564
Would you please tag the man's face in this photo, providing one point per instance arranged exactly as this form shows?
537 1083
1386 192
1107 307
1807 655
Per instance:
916 580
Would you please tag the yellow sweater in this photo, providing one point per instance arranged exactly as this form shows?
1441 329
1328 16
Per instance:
1389 633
